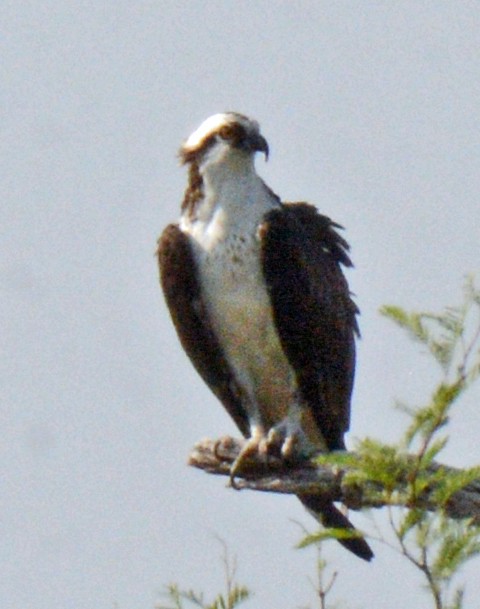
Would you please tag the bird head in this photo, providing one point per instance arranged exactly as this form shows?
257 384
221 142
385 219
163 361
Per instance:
223 135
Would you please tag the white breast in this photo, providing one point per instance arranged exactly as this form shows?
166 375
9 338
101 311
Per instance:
227 252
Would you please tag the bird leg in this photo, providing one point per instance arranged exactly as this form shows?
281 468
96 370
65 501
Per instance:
256 445
288 439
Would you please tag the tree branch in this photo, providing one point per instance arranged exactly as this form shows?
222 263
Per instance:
216 457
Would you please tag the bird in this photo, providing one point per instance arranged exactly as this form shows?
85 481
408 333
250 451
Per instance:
257 295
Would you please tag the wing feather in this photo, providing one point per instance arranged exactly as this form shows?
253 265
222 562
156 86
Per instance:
182 292
313 311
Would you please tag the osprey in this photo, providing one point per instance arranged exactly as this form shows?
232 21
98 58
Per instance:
260 304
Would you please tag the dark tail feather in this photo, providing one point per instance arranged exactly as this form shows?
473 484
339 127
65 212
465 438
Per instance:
331 517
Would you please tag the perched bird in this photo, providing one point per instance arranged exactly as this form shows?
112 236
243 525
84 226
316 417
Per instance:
260 304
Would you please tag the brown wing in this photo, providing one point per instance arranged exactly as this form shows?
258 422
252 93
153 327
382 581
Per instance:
182 292
313 311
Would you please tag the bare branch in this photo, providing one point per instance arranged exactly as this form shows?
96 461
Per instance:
215 457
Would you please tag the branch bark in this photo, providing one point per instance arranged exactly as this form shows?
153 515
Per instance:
216 457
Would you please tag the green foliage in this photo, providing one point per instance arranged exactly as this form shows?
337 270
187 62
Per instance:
328 533
433 542
233 596
325 579
451 337
232 599
406 473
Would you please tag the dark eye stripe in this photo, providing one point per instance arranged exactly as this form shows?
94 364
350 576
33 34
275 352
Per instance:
226 132
232 132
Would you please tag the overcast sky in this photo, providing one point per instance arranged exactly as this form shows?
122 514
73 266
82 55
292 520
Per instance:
371 110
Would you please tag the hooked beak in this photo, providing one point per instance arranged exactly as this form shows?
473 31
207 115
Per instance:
253 142
259 144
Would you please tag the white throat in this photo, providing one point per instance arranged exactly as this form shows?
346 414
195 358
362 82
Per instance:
234 197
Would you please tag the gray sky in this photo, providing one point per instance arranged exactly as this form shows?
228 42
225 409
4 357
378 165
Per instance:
371 112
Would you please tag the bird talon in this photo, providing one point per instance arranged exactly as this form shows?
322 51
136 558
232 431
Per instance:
232 481
216 451
253 447
289 448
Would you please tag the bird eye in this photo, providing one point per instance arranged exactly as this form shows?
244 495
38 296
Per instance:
226 132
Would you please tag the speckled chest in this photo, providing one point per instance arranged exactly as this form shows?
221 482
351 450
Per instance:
229 262
240 312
